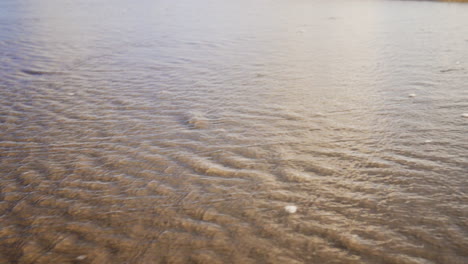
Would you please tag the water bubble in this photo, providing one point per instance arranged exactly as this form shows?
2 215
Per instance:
290 209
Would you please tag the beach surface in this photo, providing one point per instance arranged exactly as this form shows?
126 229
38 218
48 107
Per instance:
261 131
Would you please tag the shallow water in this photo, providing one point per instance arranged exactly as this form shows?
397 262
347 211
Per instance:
178 131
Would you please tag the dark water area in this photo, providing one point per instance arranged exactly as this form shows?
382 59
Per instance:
264 131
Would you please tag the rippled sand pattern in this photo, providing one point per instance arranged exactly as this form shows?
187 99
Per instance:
177 132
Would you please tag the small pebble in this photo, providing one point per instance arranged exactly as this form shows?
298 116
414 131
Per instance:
71 94
81 257
465 115
428 141
290 209
412 95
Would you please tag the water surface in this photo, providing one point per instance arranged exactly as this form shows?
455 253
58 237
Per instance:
177 131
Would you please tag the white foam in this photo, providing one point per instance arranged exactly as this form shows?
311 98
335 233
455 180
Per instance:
290 209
